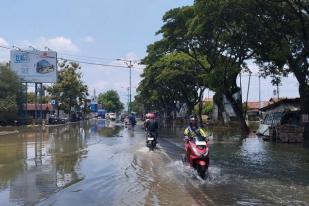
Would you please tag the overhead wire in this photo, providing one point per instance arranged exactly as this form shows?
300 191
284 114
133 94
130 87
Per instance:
73 59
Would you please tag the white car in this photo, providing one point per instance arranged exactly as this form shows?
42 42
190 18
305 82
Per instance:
112 116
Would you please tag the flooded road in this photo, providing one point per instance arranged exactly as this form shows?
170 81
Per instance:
100 163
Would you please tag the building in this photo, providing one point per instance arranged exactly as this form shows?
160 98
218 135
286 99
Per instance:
282 121
32 110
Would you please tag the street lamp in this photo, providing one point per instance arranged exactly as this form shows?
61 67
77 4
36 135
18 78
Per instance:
128 96
129 65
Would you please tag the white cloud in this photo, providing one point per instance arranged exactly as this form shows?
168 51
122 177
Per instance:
89 39
59 44
4 53
3 42
106 78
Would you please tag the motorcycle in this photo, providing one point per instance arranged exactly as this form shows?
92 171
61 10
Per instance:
197 154
150 141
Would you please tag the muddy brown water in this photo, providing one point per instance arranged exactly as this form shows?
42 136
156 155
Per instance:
102 163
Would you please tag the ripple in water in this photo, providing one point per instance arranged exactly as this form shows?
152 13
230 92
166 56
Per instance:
214 174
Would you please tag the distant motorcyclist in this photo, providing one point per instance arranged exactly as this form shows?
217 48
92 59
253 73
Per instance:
132 119
194 130
151 125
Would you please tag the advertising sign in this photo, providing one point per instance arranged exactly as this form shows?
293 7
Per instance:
35 66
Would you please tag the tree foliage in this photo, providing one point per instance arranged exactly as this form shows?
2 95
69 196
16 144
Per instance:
282 42
10 88
110 101
225 34
69 89
31 98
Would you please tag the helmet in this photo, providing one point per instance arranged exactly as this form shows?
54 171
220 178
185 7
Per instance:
193 120
150 116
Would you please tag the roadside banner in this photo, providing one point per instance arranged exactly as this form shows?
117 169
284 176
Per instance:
35 66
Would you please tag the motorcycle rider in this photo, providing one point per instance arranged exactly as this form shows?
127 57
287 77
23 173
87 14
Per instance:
132 119
193 129
151 125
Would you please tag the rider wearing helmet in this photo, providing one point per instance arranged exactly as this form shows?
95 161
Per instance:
151 125
132 119
193 129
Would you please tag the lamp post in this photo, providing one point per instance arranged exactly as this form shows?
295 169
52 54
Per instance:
129 65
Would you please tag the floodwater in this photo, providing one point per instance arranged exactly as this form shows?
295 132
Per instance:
102 163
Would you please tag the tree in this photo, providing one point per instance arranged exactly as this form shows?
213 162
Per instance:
212 32
178 78
31 98
10 87
10 94
110 101
281 40
137 105
69 90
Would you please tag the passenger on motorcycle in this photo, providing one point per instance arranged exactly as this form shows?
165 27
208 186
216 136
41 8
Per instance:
151 125
194 130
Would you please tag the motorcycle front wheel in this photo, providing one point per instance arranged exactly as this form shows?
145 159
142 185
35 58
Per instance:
201 170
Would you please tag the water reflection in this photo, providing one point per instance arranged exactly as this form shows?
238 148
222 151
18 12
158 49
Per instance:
36 163
104 128
253 150
100 162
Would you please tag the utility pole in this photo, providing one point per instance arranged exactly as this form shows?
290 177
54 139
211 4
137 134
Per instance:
259 91
129 64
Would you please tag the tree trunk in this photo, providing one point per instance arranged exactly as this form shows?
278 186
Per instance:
218 100
200 106
304 105
239 112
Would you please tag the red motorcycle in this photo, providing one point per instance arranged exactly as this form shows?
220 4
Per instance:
197 154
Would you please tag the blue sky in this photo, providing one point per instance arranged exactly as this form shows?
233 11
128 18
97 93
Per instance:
107 29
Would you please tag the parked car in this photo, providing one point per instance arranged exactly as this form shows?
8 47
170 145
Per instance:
112 116
53 119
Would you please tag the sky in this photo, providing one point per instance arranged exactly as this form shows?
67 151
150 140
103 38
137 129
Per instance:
101 31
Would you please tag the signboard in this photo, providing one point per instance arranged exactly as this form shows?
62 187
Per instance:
35 66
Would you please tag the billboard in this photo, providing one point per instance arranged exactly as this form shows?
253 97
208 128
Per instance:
35 66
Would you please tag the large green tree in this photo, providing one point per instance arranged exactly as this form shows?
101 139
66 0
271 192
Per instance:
110 101
69 90
10 94
10 87
281 40
174 77
213 31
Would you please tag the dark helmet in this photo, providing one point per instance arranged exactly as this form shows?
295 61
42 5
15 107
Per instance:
193 120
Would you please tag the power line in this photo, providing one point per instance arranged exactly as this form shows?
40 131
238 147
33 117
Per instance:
73 60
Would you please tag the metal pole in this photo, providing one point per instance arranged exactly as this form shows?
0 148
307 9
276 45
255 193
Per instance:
248 94
35 101
41 112
259 91
130 65
128 97
26 101
278 91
